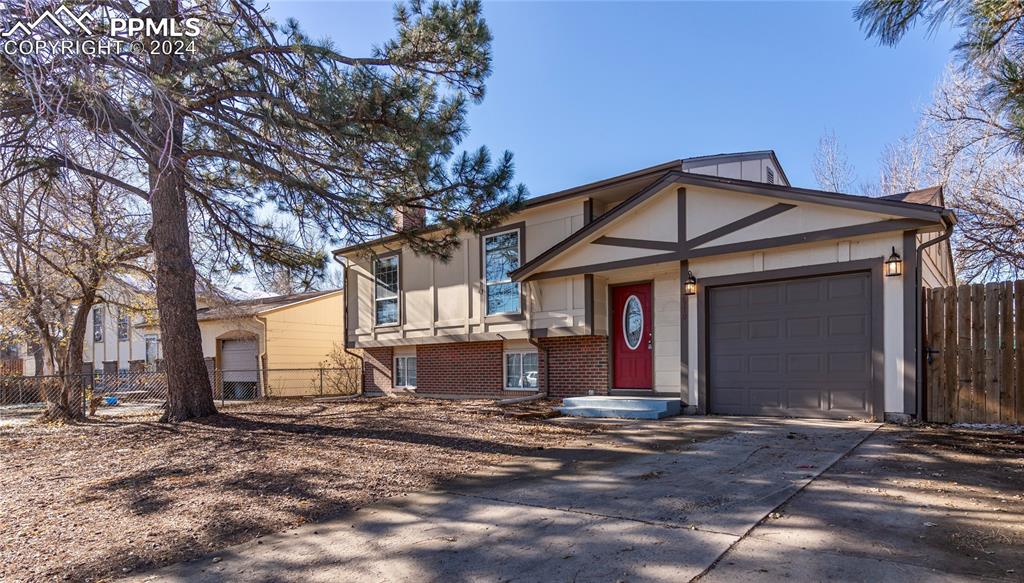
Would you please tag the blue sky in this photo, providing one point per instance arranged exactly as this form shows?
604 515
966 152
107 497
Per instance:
585 90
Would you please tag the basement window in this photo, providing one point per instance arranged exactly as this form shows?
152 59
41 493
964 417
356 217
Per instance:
405 372
521 370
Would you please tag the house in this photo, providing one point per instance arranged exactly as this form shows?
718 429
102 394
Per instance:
265 346
710 279
268 346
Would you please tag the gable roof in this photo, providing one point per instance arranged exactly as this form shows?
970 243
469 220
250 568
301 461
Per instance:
930 196
890 206
256 306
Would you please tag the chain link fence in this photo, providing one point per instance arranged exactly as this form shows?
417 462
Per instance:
22 398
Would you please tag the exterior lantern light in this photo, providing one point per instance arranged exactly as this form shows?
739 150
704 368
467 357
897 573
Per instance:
894 264
690 287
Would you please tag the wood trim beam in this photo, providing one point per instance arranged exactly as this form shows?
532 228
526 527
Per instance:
736 225
636 243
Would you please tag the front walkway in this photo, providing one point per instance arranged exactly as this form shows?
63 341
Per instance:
666 516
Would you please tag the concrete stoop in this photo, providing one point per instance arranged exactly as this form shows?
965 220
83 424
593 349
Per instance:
621 407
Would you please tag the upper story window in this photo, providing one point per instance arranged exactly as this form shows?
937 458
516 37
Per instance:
386 287
122 326
501 257
97 324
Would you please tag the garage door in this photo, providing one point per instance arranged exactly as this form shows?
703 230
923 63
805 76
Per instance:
795 348
238 360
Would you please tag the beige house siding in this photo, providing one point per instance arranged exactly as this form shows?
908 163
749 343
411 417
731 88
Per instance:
936 262
445 300
303 335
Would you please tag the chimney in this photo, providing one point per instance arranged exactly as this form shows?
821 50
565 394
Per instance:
408 218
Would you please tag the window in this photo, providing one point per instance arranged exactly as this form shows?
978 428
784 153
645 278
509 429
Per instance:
122 326
385 275
405 372
769 175
501 257
97 324
152 350
521 370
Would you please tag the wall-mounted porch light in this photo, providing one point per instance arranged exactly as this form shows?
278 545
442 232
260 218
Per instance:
894 264
690 286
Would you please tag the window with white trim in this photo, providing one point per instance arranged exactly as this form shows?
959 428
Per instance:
386 284
97 324
521 370
405 372
122 326
501 257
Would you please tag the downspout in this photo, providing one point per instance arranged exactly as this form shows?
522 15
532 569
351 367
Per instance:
344 321
261 374
950 219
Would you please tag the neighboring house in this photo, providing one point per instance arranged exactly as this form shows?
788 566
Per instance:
271 343
589 291
258 344
114 342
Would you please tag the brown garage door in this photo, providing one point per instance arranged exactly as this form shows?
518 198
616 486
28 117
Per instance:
799 348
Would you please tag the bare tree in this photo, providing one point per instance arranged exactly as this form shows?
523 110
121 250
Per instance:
832 168
977 160
251 114
69 241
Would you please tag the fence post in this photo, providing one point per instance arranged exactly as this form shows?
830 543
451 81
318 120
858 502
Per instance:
321 381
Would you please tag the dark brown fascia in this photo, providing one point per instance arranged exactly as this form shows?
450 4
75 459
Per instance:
542 200
755 245
923 214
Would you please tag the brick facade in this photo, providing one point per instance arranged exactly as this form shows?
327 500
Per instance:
475 369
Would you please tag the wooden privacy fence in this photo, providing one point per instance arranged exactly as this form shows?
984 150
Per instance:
974 353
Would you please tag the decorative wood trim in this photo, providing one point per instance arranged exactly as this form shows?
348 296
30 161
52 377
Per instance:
636 243
911 315
736 225
684 334
588 302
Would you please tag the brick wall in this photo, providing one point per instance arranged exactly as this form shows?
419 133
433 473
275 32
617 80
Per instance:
474 369
377 364
579 364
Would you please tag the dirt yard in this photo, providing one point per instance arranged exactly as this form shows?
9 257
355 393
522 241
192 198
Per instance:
95 501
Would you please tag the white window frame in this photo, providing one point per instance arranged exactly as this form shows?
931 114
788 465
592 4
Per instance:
507 280
126 319
98 333
398 291
394 369
522 372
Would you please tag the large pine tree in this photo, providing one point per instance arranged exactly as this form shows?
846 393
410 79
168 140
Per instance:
257 116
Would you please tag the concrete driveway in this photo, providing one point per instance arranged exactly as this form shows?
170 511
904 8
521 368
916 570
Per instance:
624 516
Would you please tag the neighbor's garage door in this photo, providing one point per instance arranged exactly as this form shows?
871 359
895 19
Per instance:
798 347
238 360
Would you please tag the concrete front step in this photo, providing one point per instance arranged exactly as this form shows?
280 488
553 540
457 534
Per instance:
612 413
621 407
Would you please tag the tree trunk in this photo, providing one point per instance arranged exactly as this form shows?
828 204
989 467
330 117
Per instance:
188 386
67 404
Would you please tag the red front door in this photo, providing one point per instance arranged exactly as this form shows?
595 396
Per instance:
633 340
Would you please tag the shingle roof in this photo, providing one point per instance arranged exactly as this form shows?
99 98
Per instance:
247 308
931 196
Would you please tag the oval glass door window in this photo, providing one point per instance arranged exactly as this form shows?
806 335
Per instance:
633 322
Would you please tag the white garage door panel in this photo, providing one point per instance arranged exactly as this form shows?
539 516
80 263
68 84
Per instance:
238 360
